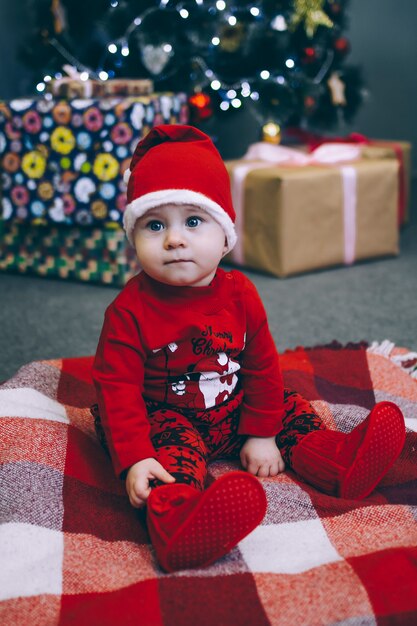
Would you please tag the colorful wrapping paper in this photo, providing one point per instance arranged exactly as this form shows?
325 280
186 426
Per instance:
73 552
298 218
63 161
96 255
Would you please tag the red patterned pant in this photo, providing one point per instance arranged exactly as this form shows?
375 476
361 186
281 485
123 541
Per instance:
186 441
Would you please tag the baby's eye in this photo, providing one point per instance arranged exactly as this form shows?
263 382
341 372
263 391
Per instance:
193 221
155 225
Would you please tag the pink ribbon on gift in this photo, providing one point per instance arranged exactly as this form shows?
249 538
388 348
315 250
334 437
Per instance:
261 154
313 141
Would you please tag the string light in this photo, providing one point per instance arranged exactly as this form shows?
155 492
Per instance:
232 92
245 91
279 23
40 87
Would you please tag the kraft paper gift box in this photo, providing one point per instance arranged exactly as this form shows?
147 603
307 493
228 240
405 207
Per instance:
401 151
294 219
374 149
68 87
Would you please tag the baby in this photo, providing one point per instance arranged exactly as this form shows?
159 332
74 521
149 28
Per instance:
186 370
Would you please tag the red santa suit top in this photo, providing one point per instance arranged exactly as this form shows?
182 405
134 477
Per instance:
189 347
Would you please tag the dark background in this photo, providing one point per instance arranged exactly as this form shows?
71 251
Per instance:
383 43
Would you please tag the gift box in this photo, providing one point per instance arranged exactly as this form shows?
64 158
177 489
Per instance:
90 255
63 160
400 151
370 148
302 216
68 87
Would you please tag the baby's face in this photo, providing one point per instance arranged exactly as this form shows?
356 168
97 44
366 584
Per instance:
179 244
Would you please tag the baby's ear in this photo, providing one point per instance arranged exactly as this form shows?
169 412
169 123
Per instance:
225 250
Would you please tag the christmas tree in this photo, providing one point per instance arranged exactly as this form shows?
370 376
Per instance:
284 58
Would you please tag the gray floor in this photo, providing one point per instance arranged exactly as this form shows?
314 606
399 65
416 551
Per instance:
376 300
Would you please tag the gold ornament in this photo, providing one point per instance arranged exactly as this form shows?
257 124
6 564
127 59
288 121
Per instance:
337 89
271 133
311 13
231 37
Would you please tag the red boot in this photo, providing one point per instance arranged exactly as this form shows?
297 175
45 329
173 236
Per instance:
190 528
351 465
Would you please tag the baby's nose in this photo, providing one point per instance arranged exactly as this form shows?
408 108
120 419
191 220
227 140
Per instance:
174 238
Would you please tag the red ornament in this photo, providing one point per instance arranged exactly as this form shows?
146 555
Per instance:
310 55
309 102
341 45
335 8
200 106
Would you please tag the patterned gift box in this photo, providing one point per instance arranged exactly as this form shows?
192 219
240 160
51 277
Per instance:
96 255
63 160
295 216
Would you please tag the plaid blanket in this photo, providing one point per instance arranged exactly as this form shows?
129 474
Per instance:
73 551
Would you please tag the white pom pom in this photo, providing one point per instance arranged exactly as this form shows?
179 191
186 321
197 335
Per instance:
126 175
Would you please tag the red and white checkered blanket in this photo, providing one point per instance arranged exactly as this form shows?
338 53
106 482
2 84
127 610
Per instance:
73 551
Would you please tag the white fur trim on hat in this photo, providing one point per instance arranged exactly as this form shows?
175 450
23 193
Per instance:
126 175
141 205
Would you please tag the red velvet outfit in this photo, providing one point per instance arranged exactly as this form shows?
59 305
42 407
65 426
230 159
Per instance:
184 374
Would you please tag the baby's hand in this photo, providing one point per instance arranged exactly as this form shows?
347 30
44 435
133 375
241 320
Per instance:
261 457
138 477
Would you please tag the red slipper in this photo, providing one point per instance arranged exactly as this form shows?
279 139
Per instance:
381 445
351 465
192 529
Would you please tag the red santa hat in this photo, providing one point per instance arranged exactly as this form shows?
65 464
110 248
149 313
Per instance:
177 164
